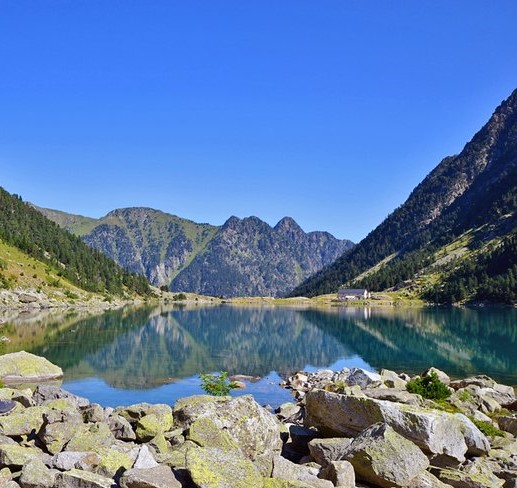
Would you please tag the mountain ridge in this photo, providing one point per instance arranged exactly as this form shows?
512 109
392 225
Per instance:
242 257
474 190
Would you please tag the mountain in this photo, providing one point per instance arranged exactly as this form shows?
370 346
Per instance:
243 257
454 238
36 251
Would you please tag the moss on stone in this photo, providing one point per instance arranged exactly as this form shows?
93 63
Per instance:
205 433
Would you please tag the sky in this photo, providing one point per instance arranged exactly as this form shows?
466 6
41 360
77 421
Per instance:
329 112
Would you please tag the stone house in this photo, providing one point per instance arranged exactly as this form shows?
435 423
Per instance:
345 294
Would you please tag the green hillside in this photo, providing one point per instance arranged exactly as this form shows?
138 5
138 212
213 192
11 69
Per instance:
65 255
470 197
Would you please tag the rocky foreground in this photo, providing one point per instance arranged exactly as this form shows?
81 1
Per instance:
350 429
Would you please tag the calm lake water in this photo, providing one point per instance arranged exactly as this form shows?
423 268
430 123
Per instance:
155 354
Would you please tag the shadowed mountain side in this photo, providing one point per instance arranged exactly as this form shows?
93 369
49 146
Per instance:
459 341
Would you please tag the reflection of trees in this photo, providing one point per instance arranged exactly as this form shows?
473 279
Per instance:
147 346
460 341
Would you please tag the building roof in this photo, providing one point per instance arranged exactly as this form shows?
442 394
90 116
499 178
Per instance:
353 291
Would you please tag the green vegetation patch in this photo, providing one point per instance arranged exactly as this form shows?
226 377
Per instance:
429 387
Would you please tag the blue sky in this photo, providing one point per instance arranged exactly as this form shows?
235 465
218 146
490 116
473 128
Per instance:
330 112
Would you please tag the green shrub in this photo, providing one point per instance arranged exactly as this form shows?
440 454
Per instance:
429 387
164 288
487 428
179 297
217 384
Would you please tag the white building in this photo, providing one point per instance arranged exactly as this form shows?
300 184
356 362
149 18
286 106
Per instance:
345 294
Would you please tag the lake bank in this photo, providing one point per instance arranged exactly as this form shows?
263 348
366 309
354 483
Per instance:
55 439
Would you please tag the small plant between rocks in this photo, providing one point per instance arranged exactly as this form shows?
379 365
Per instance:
429 387
217 384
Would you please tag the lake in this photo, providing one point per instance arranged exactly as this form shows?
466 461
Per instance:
155 354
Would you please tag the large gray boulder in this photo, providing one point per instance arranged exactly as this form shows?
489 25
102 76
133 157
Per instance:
324 451
45 394
76 478
18 367
284 469
381 456
214 468
227 422
340 473
437 433
36 475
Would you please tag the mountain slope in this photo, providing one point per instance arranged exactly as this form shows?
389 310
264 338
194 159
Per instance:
473 192
64 254
247 257
241 258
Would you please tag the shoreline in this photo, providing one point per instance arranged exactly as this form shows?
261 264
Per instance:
55 439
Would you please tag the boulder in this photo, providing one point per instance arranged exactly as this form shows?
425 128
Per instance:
26 298
393 395
156 477
76 478
340 473
277 483
508 423
36 475
477 474
90 437
255 430
94 413
392 379
22 421
58 428
504 395
144 459
67 460
211 467
205 433
121 428
152 424
381 456
17 367
324 451
24 397
443 377
113 462
434 431
363 378
45 394
286 470
15 456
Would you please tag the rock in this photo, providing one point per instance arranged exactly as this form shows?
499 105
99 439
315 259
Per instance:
94 413
289 412
76 478
156 477
22 422
300 438
324 451
363 378
299 381
392 379
17 367
113 462
474 475
15 456
211 467
67 460
144 459
26 298
508 423
136 412
340 473
286 470
381 456
45 394
443 377
255 430
160 447
433 431
276 483
121 428
504 395
36 475
393 395
152 424
24 397
205 433
58 428
90 437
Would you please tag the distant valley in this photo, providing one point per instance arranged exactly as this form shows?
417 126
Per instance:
243 257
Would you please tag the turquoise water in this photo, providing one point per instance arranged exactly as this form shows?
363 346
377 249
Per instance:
155 354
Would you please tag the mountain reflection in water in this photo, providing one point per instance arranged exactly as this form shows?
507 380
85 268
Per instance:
147 348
